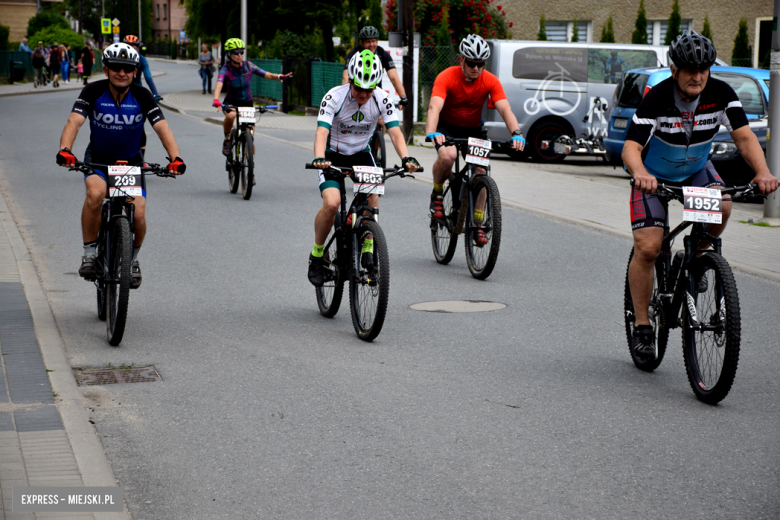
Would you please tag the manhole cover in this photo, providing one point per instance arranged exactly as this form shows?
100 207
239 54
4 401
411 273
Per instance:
113 376
458 306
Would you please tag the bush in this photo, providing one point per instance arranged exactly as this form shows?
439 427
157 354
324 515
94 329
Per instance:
45 20
5 31
542 35
608 31
50 35
640 33
287 43
740 56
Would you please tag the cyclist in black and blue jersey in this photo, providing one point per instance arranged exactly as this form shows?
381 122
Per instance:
669 140
117 109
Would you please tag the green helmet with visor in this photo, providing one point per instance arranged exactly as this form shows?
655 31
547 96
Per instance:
364 70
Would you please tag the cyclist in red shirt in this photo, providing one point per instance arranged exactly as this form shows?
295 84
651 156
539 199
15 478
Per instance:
455 110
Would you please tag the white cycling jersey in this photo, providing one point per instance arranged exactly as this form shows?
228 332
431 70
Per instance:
351 125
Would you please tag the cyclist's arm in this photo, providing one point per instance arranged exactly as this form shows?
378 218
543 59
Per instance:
345 77
632 158
71 130
747 144
166 138
434 108
505 110
395 79
321 141
399 143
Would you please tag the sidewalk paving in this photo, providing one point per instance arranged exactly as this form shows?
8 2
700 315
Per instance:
593 196
21 89
45 435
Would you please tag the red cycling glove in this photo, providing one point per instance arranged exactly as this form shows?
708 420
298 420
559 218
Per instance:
217 103
66 158
177 165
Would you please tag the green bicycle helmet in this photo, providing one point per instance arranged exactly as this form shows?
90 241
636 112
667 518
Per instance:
364 70
233 44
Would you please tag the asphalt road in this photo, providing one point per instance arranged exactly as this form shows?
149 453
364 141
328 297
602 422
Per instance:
268 410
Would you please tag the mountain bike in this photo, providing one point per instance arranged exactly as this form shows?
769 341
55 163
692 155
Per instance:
114 255
465 191
240 164
369 281
694 289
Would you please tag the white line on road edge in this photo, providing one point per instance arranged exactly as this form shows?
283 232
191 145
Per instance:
88 450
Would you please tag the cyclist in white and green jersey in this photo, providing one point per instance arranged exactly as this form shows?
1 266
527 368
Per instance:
347 119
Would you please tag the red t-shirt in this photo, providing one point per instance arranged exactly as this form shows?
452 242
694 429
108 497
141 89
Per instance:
463 99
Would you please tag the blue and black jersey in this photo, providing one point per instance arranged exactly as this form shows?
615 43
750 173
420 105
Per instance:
659 126
116 128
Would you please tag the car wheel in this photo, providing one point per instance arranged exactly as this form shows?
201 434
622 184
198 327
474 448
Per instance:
545 131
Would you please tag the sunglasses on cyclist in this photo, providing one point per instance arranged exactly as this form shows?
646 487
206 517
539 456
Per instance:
472 64
116 67
237 53
363 90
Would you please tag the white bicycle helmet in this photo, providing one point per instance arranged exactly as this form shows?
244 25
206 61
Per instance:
364 70
120 53
474 47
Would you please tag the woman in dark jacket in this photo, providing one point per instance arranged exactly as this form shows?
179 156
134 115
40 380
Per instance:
54 63
86 62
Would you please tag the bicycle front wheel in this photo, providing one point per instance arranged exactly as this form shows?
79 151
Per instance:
711 349
481 259
232 165
655 312
118 286
370 287
102 290
329 295
247 164
443 238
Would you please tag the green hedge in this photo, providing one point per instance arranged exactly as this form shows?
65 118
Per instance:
265 87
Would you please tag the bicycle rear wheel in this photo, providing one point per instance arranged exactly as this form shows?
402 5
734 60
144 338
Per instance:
711 355
99 285
329 295
369 290
247 164
443 239
232 165
378 149
656 314
482 260
118 291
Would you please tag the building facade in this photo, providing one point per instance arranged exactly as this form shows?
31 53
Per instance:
168 19
591 15
16 13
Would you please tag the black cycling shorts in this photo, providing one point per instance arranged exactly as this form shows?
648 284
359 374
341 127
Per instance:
334 180
650 211
238 102
460 132
93 156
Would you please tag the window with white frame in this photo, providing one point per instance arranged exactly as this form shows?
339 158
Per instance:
656 30
562 31
158 11
165 11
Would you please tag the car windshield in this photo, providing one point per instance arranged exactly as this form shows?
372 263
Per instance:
632 90
747 90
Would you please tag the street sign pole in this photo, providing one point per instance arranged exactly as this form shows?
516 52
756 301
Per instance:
772 203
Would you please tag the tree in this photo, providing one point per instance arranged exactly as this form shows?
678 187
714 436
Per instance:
608 31
706 31
56 34
673 29
575 32
640 31
542 35
4 32
46 19
740 56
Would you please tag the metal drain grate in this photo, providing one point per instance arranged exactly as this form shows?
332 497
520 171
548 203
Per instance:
113 376
458 306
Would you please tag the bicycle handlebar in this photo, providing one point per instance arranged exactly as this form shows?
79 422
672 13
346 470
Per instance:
150 169
261 109
349 172
675 192
455 141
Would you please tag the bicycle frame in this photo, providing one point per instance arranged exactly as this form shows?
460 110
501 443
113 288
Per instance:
465 178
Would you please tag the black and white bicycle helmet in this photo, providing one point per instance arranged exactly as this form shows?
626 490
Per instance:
691 50
121 53
474 47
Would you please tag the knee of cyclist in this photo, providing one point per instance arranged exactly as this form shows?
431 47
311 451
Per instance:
330 206
95 197
647 251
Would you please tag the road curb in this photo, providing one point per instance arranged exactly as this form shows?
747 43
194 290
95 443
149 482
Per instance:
52 90
87 449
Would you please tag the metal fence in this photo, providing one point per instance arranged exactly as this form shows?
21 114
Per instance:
265 87
6 57
433 60
324 76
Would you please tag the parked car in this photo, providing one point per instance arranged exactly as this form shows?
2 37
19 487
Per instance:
552 85
751 85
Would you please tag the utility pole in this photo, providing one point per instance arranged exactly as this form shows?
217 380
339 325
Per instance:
140 34
243 25
80 17
772 203
408 32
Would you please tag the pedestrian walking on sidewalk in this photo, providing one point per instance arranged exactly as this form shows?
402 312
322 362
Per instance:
23 47
38 63
87 59
206 61
65 64
54 64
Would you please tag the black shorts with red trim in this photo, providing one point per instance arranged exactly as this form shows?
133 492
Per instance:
650 211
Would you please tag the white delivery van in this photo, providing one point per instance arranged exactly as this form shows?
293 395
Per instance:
551 86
